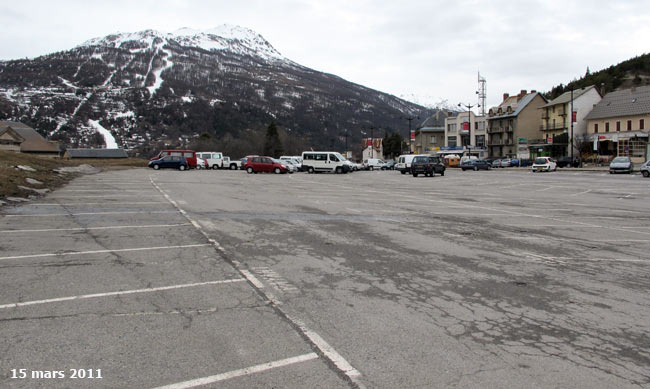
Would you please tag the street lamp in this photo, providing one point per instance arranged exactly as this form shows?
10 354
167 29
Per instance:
410 119
469 122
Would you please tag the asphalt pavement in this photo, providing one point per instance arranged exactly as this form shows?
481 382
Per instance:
501 278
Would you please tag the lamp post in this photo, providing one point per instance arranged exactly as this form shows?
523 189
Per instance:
469 122
571 140
410 119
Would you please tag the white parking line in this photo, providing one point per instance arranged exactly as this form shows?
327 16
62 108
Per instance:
119 293
316 340
102 203
241 372
89 213
96 228
104 251
101 197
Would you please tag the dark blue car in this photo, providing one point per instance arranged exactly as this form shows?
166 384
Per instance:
476 164
169 161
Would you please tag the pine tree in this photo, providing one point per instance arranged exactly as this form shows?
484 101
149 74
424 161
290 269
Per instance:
272 143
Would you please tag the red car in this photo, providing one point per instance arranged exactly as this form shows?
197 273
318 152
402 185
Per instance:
257 164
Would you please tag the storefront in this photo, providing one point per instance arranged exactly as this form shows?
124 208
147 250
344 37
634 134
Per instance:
633 144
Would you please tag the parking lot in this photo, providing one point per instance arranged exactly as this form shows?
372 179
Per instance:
499 278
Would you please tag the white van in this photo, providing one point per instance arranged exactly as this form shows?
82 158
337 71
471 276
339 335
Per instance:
324 161
404 163
373 163
213 158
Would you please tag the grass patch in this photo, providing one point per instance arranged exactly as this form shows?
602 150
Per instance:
11 177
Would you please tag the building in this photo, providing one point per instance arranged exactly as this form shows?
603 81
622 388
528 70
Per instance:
430 135
556 120
618 124
16 136
95 153
372 148
461 140
513 126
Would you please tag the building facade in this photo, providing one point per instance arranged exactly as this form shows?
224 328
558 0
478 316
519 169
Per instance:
619 124
430 134
513 126
558 133
466 134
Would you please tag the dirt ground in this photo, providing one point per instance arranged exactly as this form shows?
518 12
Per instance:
15 181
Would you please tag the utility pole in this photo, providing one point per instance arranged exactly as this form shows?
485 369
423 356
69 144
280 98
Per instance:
410 119
571 141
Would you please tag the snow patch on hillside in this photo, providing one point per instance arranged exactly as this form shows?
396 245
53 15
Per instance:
109 140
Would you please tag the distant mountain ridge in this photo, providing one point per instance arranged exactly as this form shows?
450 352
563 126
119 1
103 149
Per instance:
149 87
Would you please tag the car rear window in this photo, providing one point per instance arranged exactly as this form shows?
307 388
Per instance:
540 161
420 160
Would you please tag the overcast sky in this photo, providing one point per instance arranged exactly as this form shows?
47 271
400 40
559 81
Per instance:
426 50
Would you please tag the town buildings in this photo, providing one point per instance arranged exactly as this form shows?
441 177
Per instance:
618 125
466 133
513 126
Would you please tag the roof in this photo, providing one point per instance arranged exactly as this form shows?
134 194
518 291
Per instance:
626 102
33 142
566 96
437 120
516 105
96 153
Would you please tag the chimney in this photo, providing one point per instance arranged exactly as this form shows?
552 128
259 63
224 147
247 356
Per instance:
505 96
533 91
523 92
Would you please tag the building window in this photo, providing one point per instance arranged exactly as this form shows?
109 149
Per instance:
629 125
607 127
595 128
432 140
480 140
451 141
641 124
618 126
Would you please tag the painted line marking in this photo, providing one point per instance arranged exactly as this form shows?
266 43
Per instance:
241 372
105 251
101 197
119 293
97 228
102 203
316 340
88 213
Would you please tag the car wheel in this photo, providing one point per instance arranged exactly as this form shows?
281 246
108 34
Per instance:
233 167
215 167
181 168
475 168
372 168
403 172
156 167
442 173
415 174
277 170
645 173
250 170
310 170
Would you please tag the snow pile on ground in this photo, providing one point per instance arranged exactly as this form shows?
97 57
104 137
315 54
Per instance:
83 169
25 168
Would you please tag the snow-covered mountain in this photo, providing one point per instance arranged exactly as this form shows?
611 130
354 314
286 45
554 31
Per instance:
149 86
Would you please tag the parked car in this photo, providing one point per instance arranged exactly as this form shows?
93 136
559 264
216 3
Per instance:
291 168
190 156
214 159
476 164
257 164
404 163
427 165
567 161
390 165
231 164
324 161
296 161
496 163
373 163
645 169
621 165
506 162
201 163
544 164
169 162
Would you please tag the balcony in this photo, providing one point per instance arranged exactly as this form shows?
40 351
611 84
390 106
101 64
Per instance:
495 130
552 127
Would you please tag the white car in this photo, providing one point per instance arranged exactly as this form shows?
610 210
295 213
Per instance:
373 163
544 164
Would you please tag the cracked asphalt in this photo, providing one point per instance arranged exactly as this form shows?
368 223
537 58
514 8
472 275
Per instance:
502 278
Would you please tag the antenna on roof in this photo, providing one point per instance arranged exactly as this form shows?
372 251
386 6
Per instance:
482 94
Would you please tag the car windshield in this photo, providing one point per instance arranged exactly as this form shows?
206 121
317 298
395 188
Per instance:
540 161
620 160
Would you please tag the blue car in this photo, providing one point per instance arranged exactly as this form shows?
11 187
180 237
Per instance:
169 161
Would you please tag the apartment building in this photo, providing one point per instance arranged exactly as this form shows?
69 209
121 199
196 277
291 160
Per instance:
466 133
